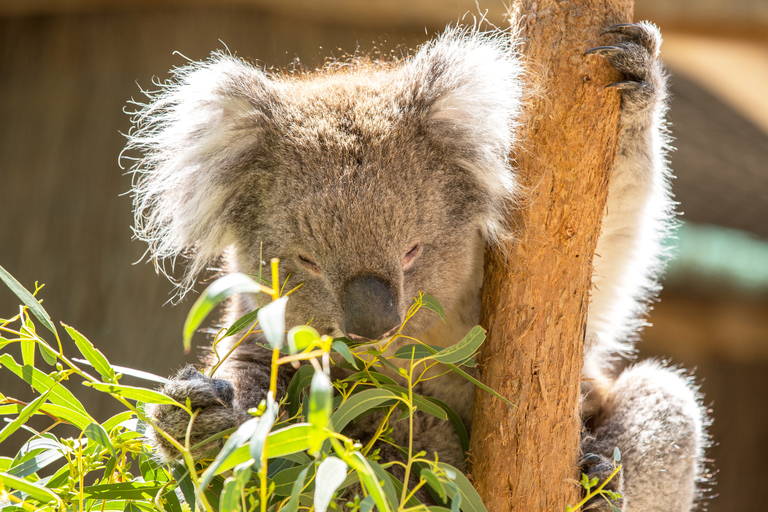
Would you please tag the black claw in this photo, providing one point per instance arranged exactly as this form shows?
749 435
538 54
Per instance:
626 29
604 50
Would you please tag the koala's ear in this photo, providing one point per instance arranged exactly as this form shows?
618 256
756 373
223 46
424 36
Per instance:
467 84
197 135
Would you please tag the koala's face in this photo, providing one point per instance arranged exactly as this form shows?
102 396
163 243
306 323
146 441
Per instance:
365 209
370 182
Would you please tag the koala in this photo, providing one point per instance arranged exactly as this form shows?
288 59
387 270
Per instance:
372 181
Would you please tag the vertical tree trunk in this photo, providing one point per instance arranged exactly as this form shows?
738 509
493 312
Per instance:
536 287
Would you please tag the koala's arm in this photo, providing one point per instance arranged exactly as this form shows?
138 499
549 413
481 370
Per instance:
651 413
239 384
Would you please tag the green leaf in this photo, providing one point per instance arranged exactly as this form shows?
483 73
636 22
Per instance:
330 475
181 475
343 349
298 485
148 396
41 494
92 354
359 403
479 384
97 434
301 379
415 352
387 484
285 480
241 436
434 482
129 371
616 454
42 383
23 416
282 442
75 417
35 461
369 479
272 322
28 351
300 337
217 292
366 504
122 491
432 304
614 508
470 500
261 432
464 349
132 507
117 419
233 486
29 300
378 379
420 402
241 323
320 408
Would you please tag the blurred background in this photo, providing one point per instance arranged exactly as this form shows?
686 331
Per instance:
68 67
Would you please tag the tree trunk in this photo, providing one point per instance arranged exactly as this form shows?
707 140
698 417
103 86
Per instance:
536 286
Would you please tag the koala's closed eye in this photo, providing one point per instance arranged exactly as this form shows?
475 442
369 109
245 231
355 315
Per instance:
308 263
410 257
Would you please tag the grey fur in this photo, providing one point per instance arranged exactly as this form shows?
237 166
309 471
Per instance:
342 173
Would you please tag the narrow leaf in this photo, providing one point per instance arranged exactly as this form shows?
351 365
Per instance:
298 485
470 499
358 404
432 304
23 416
92 354
463 349
122 491
41 494
241 323
272 322
129 371
301 379
217 292
369 479
343 349
181 475
415 352
280 443
133 393
42 383
97 434
241 436
261 432
330 474
29 300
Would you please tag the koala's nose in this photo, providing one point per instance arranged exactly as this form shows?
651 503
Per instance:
370 309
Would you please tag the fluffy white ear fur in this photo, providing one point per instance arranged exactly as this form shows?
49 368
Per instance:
470 82
194 129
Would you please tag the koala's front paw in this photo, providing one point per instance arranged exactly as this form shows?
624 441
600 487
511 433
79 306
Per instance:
636 56
594 465
213 396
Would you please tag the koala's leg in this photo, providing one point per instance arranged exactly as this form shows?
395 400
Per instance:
239 384
653 416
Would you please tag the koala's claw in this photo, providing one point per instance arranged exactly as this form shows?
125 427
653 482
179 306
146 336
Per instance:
603 50
213 397
595 465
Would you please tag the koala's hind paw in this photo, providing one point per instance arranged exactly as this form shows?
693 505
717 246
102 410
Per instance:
213 397
636 56
594 465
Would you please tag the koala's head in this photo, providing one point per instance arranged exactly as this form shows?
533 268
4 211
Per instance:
371 182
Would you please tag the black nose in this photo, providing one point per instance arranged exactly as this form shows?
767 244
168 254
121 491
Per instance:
370 309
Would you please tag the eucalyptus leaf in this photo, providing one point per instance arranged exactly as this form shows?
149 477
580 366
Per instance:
463 349
261 432
343 349
148 396
330 475
433 304
29 300
359 403
241 323
301 337
272 322
98 434
41 494
218 291
92 354
241 436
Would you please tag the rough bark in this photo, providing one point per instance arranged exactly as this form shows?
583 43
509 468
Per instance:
536 287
